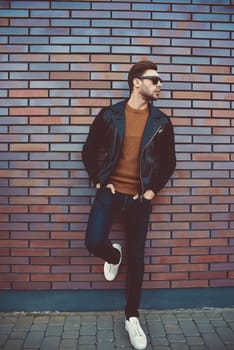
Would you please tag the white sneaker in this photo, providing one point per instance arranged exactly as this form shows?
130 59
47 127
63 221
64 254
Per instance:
111 270
136 334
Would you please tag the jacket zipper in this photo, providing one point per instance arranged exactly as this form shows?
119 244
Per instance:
156 132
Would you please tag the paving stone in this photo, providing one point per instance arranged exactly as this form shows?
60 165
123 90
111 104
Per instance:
105 322
231 325
172 328
183 316
18 334
156 327
54 330
86 347
39 326
226 334
6 329
153 316
228 315
179 346
34 339
51 343
24 322
8 321
162 347
218 323
56 320
3 338
168 318
84 339
105 345
68 344
199 317
88 319
88 329
213 314
160 341
42 319
188 328
72 323
105 335
70 335
176 338
213 341
194 341
13 344
205 327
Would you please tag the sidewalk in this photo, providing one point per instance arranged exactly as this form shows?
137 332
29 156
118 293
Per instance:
201 329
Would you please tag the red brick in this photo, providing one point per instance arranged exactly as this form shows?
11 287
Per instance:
28 93
29 252
31 285
29 111
169 276
208 258
14 277
29 147
190 284
42 277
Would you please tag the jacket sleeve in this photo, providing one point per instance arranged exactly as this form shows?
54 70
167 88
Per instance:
92 147
167 159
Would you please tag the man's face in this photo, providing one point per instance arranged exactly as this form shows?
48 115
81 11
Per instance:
150 85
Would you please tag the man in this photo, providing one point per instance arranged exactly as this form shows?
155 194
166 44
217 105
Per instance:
138 143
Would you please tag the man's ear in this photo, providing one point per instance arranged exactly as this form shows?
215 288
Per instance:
136 82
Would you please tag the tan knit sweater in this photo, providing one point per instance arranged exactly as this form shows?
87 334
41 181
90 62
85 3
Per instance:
126 177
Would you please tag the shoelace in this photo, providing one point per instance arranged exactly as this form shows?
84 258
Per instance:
136 328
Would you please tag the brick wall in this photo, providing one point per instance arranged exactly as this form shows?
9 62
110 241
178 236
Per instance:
60 62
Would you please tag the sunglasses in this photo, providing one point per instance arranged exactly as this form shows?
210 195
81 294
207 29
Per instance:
155 80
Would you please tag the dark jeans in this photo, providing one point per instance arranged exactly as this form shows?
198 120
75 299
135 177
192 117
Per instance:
136 214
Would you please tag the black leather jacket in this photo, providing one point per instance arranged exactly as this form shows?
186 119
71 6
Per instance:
157 152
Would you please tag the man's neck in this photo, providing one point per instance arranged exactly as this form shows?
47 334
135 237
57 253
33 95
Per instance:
137 103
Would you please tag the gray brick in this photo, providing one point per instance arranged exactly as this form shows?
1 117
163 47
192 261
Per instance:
72 323
51 343
33 339
156 327
105 335
87 347
105 322
205 327
228 315
159 341
168 318
176 338
68 344
3 338
88 330
213 341
172 328
199 317
87 339
188 328
70 334
105 345
13 344
24 322
179 346
226 334
194 341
